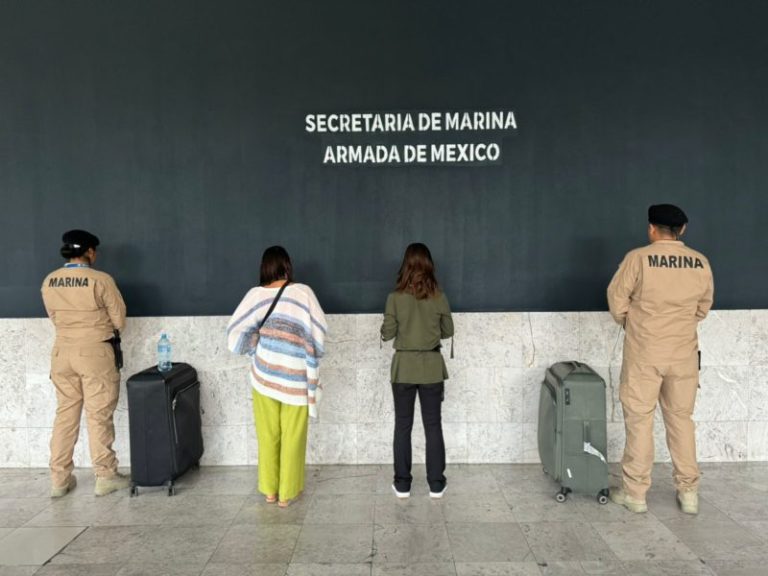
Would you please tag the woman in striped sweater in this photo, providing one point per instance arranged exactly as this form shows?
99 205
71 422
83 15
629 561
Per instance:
285 346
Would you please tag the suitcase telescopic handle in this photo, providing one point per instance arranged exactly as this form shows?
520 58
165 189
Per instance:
586 433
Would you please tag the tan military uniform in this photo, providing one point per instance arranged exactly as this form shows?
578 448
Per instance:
659 294
85 306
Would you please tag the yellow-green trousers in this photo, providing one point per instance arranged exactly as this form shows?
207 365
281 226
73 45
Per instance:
281 430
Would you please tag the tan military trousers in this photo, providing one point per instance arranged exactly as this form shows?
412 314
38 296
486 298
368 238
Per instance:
84 376
674 387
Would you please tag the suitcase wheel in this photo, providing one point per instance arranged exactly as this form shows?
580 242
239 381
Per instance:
134 490
171 489
602 497
562 496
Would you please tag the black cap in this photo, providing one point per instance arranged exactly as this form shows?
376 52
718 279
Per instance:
80 239
667 215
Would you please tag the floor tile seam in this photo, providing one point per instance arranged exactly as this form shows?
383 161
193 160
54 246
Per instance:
679 542
231 523
60 550
210 556
606 544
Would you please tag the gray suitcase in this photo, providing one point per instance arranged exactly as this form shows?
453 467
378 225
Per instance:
572 430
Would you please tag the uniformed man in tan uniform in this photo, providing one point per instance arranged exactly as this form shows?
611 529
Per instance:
86 307
659 294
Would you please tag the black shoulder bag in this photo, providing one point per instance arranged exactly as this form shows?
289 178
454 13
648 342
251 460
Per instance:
255 337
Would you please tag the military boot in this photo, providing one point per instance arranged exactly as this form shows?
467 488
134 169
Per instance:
59 491
688 501
114 483
618 496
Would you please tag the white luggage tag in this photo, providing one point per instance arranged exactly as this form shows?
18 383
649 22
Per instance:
589 449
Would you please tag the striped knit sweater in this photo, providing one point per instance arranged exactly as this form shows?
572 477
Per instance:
285 358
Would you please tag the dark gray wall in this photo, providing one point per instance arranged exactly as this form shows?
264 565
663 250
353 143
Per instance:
175 131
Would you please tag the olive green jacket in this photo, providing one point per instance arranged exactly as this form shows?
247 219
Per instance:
417 327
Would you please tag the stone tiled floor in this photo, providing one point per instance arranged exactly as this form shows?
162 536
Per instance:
494 520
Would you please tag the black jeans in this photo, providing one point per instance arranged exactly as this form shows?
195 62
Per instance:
430 399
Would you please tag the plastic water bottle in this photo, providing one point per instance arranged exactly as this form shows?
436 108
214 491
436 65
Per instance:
164 353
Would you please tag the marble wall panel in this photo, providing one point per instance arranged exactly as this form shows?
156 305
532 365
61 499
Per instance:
225 445
341 344
616 440
758 349
758 393
340 398
12 374
370 351
15 448
456 442
757 441
374 442
725 338
529 444
723 394
721 441
532 380
122 446
508 386
613 407
373 395
496 442
82 454
550 337
207 346
601 340
38 343
251 444
332 442
488 340
39 440
479 396
139 343
225 396
39 399
454 407
492 393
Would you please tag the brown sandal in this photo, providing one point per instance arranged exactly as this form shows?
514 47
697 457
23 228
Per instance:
286 503
271 498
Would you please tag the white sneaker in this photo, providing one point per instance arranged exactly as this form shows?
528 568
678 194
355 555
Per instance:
438 494
400 494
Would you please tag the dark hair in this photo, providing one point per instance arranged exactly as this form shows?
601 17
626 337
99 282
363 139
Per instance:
76 243
417 272
68 251
673 231
275 265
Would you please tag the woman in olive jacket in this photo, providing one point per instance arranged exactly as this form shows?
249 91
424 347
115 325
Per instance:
417 316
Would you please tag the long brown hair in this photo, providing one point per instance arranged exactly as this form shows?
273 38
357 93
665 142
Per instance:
417 272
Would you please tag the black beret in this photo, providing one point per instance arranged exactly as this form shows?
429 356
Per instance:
80 239
667 215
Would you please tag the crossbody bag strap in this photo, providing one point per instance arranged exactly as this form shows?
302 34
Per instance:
274 303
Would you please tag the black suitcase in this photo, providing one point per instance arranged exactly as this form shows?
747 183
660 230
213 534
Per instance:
164 425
